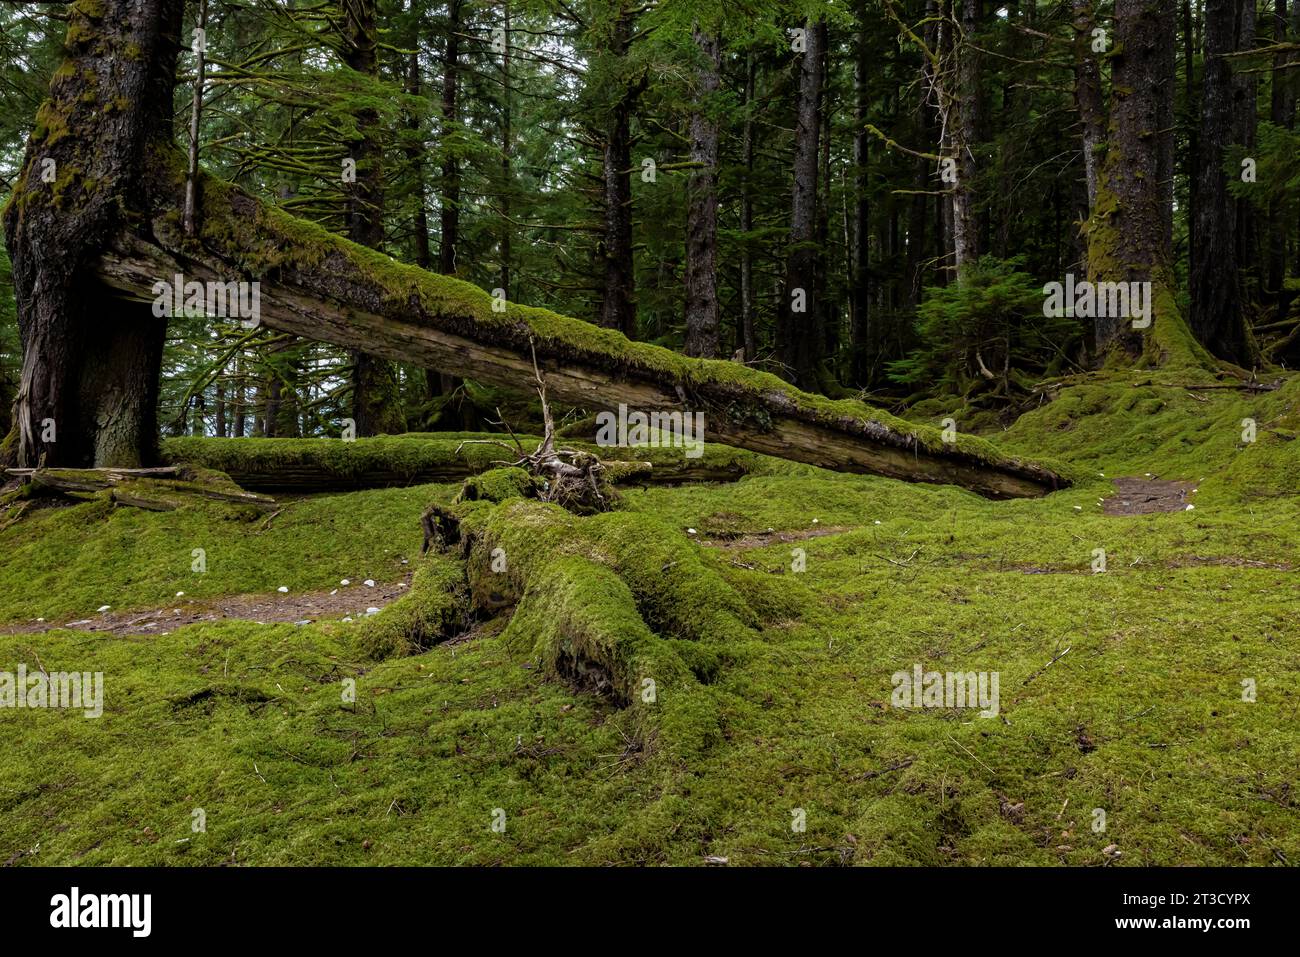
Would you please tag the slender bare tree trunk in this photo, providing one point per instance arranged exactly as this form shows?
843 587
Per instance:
800 334
376 404
748 337
618 302
702 212
1216 315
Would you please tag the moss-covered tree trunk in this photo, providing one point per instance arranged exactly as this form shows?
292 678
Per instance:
1128 239
88 390
321 286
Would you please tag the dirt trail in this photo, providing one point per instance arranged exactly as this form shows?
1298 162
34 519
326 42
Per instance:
759 539
345 601
1146 496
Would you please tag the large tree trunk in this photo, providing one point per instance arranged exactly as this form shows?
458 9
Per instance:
800 333
1127 238
702 211
1216 315
88 391
376 403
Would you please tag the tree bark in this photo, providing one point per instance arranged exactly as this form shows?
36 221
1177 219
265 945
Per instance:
507 150
376 402
702 211
1127 239
748 336
415 157
1088 96
219 417
1216 316
1282 109
241 399
862 338
965 122
800 334
87 395
1246 95
450 216
618 303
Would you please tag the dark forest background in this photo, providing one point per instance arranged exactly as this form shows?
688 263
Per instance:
680 170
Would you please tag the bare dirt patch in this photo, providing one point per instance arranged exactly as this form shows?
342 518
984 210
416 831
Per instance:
1144 496
305 607
759 539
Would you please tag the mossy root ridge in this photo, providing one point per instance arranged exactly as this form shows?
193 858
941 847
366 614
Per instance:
618 604
435 609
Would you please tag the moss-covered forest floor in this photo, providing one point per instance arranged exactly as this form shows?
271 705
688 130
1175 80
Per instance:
1121 692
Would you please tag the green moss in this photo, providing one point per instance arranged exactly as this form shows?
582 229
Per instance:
426 457
432 610
772 686
497 485
51 124
91 9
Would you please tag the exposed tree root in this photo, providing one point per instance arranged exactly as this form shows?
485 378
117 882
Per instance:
158 490
568 477
615 604
436 608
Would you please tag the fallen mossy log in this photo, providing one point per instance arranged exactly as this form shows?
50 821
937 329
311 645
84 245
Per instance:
308 466
323 287
155 489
